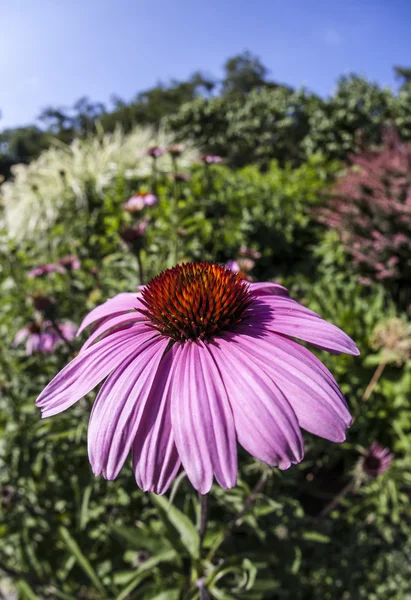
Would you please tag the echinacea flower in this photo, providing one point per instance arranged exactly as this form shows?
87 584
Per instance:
376 460
133 236
70 262
155 151
195 362
210 159
43 337
176 150
45 270
139 201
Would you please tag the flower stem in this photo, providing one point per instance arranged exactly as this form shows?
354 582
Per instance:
140 268
202 529
336 500
374 379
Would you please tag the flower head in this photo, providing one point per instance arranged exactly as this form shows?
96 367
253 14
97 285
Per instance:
376 460
43 337
140 201
209 159
176 150
195 362
179 176
42 270
70 262
155 151
393 336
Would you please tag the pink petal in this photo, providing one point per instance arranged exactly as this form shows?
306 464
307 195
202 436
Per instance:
287 317
265 422
118 409
20 336
155 457
265 288
306 383
202 420
111 325
119 304
84 372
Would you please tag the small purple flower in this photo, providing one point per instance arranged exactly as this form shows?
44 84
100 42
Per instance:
42 337
179 176
133 234
176 150
376 460
139 201
155 151
249 253
194 363
42 270
70 262
210 159
233 266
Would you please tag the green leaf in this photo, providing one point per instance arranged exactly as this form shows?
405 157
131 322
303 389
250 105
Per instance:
140 538
81 559
26 593
173 594
315 536
144 571
178 525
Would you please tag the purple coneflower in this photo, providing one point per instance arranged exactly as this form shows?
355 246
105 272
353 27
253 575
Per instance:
196 362
210 159
43 337
140 201
176 150
70 262
179 176
45 270
155 151
376 460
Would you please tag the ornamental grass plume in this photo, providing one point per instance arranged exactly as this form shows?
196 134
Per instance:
193 363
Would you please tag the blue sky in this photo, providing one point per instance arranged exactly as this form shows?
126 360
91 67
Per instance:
54 51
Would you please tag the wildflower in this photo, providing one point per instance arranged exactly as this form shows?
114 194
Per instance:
140 201
45 305
238 267
249 253
209 159
376 460
45 270
43 337
179 176
134 235
155 151
70 262
176 150
233 266
196 361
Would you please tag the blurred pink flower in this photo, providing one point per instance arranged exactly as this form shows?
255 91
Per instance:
194 363
210 159
233 266
42 337
140 201
45 270
70 262
156 151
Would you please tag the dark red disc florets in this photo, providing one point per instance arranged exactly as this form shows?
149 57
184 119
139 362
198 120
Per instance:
195 301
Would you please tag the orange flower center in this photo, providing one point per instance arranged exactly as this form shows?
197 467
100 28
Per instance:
195 301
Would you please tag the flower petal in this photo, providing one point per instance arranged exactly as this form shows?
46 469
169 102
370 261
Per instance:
119 304
85 371
266 288
306 383
202 419
111 325
290 318
155 456
265 423
117 411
